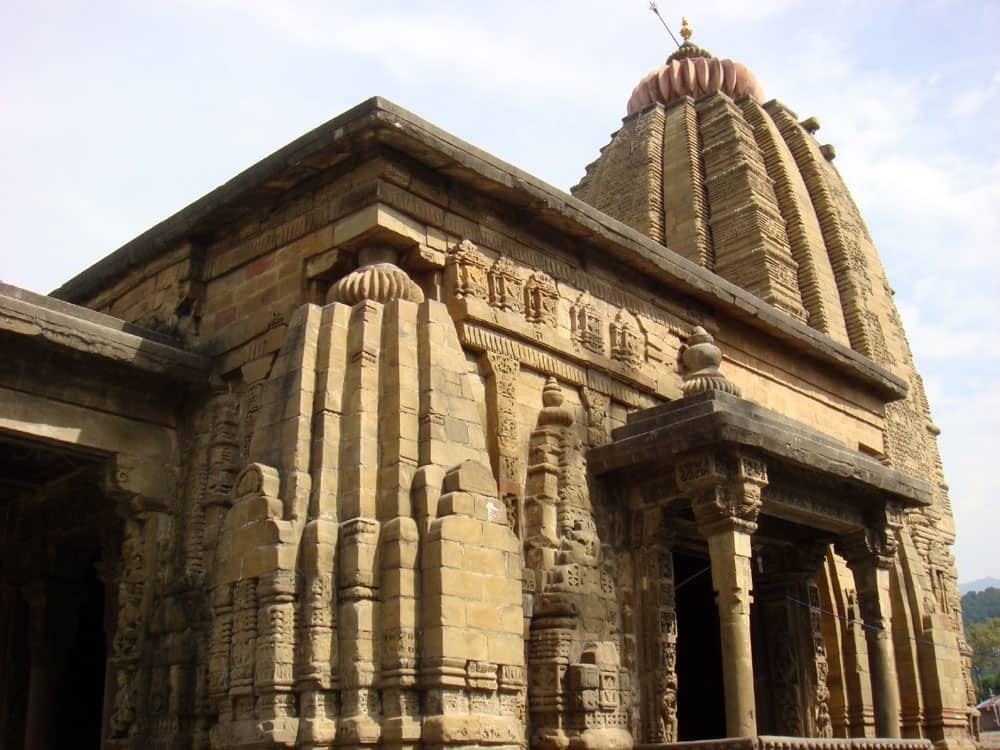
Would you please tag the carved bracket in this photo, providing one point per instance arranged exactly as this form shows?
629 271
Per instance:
724 488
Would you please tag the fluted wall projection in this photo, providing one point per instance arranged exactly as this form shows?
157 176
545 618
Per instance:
367 408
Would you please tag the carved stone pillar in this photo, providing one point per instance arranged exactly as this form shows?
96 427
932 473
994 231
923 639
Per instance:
274 656
505 448
870 553
796 698
659 628
724 489
541 501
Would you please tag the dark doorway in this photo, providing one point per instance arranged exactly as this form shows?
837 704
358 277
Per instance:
81 689
701 708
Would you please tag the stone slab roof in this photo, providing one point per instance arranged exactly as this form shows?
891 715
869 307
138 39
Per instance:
654 436
390 124
37 317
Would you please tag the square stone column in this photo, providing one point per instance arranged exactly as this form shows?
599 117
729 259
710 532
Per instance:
724 488
870 553
788 607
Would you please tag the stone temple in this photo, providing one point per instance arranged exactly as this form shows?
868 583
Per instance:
387 443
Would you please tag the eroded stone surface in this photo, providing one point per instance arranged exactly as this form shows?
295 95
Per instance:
419 443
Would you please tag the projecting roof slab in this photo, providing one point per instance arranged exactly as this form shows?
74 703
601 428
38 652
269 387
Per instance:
655 436
40 318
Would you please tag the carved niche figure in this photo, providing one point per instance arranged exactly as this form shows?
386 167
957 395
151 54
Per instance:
668 715
541 298
580 546
466 271
627 344
505 286
586 324
597 406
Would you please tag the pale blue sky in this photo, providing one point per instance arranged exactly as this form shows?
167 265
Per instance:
117 114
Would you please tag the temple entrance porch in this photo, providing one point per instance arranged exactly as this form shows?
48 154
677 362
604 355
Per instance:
763 499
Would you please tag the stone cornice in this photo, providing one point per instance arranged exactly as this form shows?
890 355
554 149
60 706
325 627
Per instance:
404 131
35 316
717 419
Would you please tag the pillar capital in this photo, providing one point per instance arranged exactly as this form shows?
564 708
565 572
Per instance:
724 488
876 544
787 569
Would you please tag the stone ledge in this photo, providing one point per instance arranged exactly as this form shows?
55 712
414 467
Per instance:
766 742
25 313
715 419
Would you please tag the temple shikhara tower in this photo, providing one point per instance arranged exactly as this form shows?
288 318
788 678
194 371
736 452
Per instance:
386 443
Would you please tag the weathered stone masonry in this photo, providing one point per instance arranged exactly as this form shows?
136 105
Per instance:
386 443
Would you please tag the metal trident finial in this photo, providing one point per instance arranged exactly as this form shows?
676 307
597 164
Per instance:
652 7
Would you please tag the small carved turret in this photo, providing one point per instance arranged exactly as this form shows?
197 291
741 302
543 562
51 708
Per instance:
553 411
701 359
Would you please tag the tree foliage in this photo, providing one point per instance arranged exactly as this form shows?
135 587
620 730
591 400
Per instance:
984 637
980 606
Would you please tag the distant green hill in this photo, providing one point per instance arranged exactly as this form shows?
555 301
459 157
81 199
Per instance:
978 585
980 606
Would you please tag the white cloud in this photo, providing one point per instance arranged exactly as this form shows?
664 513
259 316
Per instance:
972 100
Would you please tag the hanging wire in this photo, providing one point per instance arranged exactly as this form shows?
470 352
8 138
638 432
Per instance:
692 577
848 620
854 621
652 7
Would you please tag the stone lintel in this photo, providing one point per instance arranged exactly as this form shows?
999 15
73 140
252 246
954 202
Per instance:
662 433
63 325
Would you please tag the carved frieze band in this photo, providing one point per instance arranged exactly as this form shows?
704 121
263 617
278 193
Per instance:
812 502
622 342
482 339
579 279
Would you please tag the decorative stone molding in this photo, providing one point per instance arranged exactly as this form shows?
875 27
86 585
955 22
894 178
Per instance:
701 358
465 272
505 285
586 324
378 282
541 299
627 345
